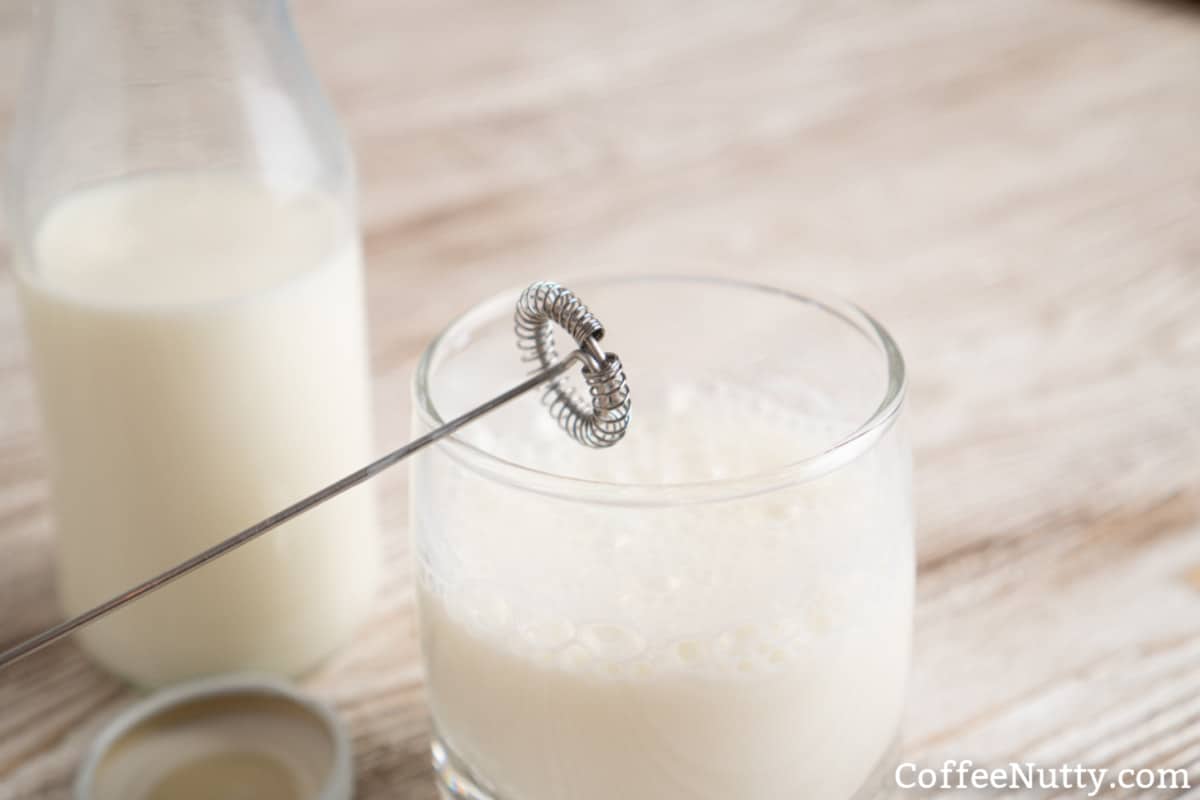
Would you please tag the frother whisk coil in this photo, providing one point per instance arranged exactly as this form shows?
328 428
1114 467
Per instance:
605 420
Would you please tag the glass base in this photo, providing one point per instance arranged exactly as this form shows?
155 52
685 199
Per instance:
455 781
454 778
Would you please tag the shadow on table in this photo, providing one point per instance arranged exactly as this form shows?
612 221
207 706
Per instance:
396 774
1185 6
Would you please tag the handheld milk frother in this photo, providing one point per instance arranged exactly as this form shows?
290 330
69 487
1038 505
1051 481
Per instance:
600 425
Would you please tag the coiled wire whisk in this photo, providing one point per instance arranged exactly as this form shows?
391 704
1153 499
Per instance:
603 421
602 424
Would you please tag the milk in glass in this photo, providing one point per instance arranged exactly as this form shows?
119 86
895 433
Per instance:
752 647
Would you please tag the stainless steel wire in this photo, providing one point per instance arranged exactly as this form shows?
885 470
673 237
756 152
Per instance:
605 421
602 425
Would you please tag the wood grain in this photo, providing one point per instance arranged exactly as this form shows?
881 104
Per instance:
1013 187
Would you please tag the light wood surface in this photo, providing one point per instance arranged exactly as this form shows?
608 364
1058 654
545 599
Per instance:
1012 186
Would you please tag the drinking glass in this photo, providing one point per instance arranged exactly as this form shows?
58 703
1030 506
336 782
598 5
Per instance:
717 607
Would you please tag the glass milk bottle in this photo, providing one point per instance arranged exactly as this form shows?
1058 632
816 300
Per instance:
180 204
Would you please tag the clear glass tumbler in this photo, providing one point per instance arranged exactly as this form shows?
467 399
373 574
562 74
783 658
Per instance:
719 606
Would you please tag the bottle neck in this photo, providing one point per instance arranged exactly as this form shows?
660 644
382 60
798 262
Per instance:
131 37
117 88
124 11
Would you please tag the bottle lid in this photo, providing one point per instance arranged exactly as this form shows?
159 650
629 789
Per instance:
233 737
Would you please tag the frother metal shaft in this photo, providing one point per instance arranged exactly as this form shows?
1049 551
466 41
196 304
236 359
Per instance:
313 500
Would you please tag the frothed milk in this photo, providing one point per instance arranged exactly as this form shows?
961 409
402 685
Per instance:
753 648
201 359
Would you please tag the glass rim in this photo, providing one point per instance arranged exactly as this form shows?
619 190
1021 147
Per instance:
567 487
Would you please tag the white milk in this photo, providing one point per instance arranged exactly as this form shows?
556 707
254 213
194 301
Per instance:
754 649
200 353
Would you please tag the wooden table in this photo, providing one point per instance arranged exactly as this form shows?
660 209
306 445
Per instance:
1012 186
